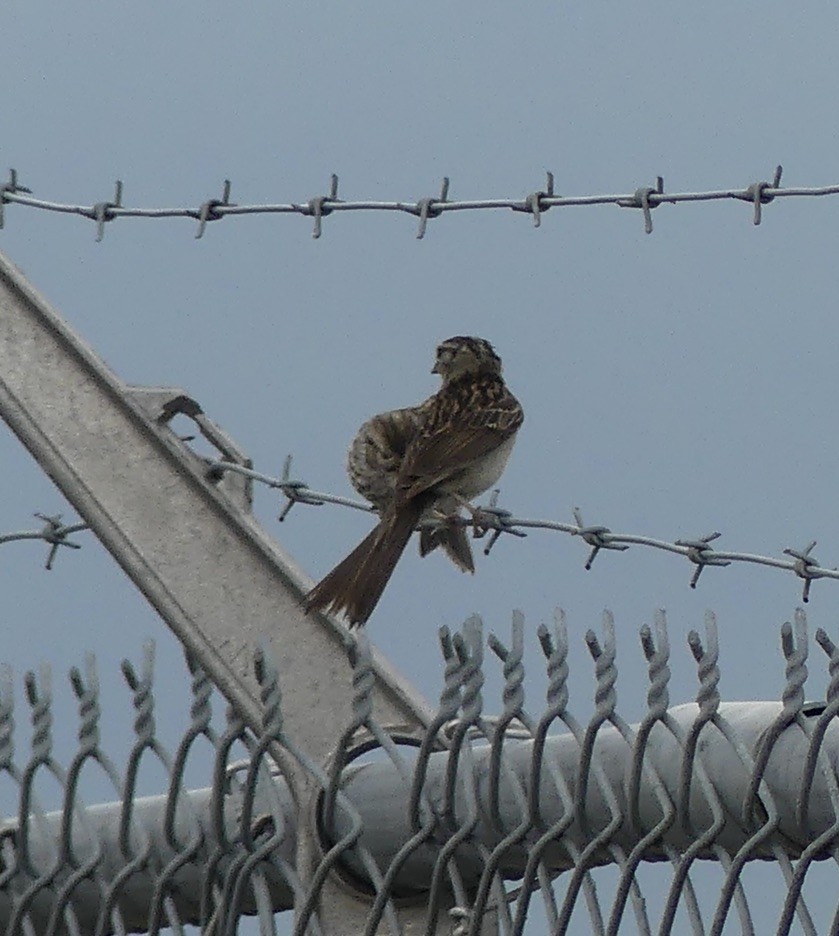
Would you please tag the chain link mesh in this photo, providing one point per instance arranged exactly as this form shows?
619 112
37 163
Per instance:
518 813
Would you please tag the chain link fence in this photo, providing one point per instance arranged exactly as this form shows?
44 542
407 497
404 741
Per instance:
517 815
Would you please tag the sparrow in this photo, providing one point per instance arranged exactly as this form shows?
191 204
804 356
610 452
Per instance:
373 462
457 449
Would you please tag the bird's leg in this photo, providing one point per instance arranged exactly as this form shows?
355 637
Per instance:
446 515
479 525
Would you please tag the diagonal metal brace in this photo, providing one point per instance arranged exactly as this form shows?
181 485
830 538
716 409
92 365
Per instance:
217 578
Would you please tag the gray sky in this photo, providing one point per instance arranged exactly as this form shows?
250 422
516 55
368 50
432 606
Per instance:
673 384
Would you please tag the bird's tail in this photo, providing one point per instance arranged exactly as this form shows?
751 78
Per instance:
355 585
454 542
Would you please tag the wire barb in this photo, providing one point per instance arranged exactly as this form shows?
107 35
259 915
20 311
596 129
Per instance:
806 567
104 211
761 193
493 518
534 203
53 532
320 206
646 198
430 207
295 491
10 188
598 537
209 211
700 553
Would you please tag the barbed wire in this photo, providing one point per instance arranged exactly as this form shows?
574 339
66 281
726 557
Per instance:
53 532
492 520
644 198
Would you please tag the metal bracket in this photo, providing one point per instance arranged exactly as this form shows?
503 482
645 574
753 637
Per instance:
162 404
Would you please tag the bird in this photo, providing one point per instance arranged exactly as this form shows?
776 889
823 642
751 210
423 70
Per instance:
373 461
456 446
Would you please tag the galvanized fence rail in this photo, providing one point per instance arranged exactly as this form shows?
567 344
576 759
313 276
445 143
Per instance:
516 817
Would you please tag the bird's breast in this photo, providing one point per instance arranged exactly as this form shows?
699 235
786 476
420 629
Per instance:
482 474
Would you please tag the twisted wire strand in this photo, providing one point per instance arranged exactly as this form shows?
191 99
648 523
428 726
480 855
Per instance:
495 520
645 198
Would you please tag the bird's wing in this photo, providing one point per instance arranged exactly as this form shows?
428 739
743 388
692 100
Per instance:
454 436
379 445
377 451
396 429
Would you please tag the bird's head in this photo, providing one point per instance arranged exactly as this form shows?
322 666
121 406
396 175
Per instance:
462 355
